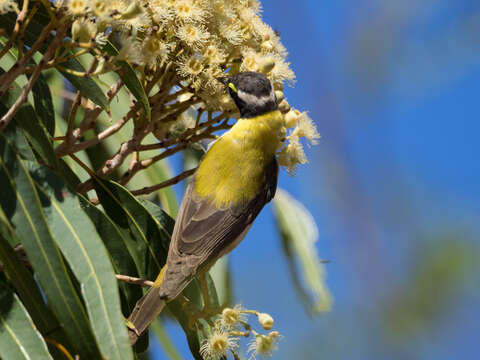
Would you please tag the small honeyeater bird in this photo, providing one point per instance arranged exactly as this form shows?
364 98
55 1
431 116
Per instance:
233 182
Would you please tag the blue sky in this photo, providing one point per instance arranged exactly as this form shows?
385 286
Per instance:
393 88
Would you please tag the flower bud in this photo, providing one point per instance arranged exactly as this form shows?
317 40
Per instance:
83 30
265 320
76 30
284 106
267 65
132 11
279 95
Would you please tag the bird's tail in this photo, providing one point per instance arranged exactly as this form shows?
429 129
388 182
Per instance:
146 310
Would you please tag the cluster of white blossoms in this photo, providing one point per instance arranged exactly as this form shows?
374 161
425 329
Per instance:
300 125
199 41
227 333
7 6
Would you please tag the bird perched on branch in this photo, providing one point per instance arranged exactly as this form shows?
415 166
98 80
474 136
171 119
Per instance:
234 181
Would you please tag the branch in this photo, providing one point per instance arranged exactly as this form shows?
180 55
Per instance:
19 67
20 18
185 135
67 147
64 149
26 90
169 182
134 280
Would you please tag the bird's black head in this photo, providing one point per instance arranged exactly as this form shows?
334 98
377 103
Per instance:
252 92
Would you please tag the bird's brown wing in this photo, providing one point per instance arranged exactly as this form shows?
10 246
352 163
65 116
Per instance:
203 232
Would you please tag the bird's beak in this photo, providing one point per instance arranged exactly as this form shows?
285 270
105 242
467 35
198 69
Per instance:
224 80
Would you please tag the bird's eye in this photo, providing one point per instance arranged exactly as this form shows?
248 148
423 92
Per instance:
232 86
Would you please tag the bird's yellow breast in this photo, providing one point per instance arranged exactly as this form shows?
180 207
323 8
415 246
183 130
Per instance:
233 170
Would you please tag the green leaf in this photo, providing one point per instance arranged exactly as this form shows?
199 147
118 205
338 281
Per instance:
130 79
222 277
32 31
115 240
19 338
42 99
87 86
149 240
23 280
27 120
157 173
22 205
17 138
299 234
83 249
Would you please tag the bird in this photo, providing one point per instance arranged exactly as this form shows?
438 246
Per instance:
235 179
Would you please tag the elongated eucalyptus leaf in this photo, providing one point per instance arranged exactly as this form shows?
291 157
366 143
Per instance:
22 279
157 173
87 87
222 277
19 338
129 77
33 29
26 118
82 247
148 245
43 102
22 206
18 140
31 32
115 241
299 234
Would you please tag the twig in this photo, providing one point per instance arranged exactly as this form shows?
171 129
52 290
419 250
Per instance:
26 90
134 280
19 67
169 182
71 116
185 135
20 18
31 14
88 121
59 347
64 149
181 145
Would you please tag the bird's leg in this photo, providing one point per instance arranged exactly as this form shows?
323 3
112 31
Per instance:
187 305
205 294
208 310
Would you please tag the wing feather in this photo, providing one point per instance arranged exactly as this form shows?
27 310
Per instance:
203 232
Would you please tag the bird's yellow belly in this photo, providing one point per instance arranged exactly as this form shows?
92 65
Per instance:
233 170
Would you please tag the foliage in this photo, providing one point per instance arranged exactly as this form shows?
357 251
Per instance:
94 98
